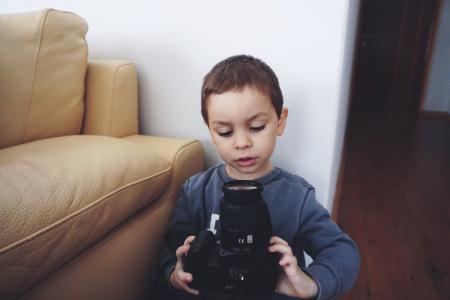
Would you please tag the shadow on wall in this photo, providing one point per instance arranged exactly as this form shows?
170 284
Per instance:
289 146
178 115
169 88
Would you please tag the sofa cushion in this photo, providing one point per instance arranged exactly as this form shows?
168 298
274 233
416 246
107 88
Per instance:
43 61
111 98
59 195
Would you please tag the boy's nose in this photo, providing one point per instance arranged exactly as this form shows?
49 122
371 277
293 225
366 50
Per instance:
242 141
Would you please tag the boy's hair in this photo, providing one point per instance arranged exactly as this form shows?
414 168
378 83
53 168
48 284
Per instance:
236 72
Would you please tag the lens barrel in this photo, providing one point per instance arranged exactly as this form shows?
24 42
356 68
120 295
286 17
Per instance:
242 192
244 218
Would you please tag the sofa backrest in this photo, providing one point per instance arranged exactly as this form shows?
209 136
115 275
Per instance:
43 61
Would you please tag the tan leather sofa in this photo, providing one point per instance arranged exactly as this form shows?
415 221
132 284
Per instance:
84 198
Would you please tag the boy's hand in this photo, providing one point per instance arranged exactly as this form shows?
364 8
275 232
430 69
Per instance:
180 279
293 281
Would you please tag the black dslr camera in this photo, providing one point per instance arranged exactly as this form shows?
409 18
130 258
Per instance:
240 265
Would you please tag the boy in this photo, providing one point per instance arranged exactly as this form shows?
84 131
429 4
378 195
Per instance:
242 105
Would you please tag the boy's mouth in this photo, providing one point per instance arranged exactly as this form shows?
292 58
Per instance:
245 161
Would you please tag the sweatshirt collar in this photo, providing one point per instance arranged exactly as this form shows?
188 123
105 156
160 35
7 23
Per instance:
272 175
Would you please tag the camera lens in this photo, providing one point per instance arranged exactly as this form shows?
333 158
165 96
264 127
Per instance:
244 218
242 192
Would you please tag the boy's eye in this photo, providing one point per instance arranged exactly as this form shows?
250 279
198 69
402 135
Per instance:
257 128
225 133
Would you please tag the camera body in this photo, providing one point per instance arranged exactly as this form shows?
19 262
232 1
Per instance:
238 262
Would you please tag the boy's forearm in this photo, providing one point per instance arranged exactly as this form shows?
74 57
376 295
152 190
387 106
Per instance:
335 268
335 271
335 256
309 286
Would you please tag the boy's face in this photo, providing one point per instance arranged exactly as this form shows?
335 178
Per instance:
244 127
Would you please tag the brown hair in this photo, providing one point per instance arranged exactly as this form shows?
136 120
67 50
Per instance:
239 71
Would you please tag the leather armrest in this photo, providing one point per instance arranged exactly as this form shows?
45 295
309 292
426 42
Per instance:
59 196
186 156
111 99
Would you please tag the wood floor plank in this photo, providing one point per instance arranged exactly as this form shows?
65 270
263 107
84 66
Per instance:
395 203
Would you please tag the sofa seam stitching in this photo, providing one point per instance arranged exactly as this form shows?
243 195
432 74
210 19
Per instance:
111 108
74 214
114 98
180 149
34 71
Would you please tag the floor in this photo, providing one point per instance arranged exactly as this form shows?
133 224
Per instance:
395 203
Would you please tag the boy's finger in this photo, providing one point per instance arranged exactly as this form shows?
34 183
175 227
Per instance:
288 260
185 277
277 240
189 240
178 282
190 290
281 248
182 250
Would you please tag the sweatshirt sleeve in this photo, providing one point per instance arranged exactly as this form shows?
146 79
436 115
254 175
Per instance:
180 227
335 256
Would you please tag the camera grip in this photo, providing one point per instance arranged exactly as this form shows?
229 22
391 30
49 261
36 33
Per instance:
198 251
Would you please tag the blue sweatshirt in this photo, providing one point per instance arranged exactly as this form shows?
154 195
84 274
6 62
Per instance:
296 216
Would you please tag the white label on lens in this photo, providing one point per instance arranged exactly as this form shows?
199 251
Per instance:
249 239
212 224
242 188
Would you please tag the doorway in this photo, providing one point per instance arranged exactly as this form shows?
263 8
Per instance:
396 164
393 51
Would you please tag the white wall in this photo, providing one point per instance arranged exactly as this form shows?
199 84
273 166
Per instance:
175 43
342 105
437 95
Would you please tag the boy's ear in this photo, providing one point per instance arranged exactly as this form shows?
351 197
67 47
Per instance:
282 120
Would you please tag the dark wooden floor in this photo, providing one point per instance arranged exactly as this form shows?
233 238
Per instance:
395 203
